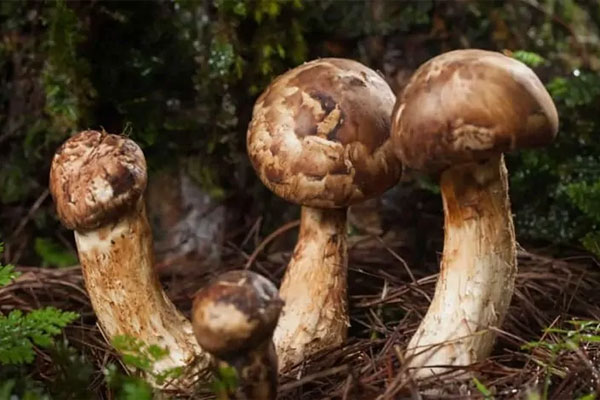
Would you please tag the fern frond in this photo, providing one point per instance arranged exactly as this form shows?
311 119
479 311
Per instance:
7 274
19 332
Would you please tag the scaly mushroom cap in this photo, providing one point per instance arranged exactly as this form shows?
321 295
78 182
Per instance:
237 311
320 134
95 177
467 105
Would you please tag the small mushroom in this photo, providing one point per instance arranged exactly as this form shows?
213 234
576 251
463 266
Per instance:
457 115
97 181
233 319
320 137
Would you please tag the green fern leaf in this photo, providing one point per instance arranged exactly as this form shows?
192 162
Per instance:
7 272
20 332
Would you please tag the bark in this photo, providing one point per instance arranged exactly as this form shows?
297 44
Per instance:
477 274
117 264
315 315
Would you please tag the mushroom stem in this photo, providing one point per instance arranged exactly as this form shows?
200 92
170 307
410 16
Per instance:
117 264
256 371
314 316
97 181
477 274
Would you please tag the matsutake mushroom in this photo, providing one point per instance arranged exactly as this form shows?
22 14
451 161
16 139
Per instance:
233 318
320 137
97 181
457 115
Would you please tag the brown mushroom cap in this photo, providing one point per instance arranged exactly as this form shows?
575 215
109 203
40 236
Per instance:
320 134
235 312
96 177
467 105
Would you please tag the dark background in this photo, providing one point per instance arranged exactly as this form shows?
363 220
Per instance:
181 77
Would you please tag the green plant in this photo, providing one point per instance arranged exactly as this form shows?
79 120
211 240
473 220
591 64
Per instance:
485 392
19 332
71 372
567 175
29 390
530 58
7 272
127 387
67 89
53 254
556 342
225 382
142 357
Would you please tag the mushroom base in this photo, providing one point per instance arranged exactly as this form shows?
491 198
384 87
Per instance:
477 274
315 315
117 264
256 371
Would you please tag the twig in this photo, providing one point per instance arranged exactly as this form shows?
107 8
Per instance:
402 261
30 213
318 375
279 231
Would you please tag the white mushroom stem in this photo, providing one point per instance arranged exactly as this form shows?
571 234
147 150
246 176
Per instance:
314 316
117 263
477 274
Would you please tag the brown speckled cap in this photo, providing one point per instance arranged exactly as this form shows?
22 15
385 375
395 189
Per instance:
320 134
467 105
95 177
235 312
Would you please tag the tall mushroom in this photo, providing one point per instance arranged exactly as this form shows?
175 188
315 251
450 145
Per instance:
457 115
97 181
233 318
319 137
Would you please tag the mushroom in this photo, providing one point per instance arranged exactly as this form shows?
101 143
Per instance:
233 319
457 115
97 181
320 137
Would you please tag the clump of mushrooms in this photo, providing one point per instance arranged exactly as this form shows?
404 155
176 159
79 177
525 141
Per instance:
97 181
320 137
233 318
457 115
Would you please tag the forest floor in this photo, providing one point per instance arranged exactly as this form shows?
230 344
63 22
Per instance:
544 349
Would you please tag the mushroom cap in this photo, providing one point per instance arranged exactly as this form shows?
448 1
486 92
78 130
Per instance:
95 178
320 134
235 312
467 105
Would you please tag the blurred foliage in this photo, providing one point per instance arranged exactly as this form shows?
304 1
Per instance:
225 382
52 254
127 387
143 357
557 191
180 77
69 377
